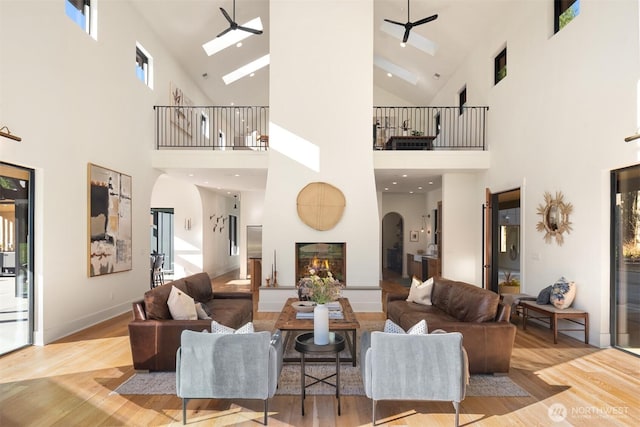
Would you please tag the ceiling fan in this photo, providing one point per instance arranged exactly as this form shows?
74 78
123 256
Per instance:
233 25
409 25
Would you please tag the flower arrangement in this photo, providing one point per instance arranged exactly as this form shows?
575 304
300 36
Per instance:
319 289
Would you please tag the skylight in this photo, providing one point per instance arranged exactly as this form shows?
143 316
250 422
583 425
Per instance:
231 38
247 69
395 70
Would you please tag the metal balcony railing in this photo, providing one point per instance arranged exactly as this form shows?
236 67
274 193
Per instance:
429 128
214 128
394 128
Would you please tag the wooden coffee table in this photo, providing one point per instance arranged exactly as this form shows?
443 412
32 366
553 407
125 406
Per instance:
288 324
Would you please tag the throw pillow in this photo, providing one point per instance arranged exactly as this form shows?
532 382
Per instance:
420 292
417 329
202 311
181 305
218 328
563 293
544 297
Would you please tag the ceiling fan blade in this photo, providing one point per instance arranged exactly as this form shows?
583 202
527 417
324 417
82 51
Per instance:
224 32
406 35
226 15
394 22
249 30
425 20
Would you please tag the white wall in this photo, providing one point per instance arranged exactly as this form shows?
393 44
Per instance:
557 123
462 226
306 87
75 100
216 257
252 211
185 200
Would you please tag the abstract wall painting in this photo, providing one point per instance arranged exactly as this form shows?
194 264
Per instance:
109 221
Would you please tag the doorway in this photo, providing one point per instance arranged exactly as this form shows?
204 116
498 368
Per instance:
392 245
16 257
162 237
625 259
502 241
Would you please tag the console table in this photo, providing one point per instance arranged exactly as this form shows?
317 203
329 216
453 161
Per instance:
553 314
410 143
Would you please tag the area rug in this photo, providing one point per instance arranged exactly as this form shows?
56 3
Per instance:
350 383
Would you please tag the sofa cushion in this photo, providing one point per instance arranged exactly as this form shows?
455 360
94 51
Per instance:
419 328
465 302
202 311
420 292
198 286
155 302
181 305
217 328
231 312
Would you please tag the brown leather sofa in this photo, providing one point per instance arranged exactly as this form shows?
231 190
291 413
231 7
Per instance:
477 313
155 336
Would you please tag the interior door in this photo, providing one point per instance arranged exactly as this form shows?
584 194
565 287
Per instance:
490 232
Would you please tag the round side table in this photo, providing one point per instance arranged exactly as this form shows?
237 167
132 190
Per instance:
304 344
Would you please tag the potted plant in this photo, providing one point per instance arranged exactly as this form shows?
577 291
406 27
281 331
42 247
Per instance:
510 285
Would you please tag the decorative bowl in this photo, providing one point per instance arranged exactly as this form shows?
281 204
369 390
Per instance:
303 306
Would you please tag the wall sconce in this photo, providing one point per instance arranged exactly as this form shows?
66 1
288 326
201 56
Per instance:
235 201
187 224
424 224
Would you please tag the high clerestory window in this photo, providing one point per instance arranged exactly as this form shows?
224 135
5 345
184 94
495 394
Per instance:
462 99
83 13
144 66
500 66
564 11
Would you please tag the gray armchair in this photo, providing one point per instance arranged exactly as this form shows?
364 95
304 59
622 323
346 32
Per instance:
413 367
228 366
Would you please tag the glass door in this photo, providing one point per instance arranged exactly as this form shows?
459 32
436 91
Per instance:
625 259
16 257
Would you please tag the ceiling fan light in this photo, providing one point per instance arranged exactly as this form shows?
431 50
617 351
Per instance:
403 44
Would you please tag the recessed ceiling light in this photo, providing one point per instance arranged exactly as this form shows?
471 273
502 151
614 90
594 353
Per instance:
394 69
237 174
410 192
394 182
231 38
430 182
404 175
420 188
252 74
389 75
386 188
190 174
239 44
246 69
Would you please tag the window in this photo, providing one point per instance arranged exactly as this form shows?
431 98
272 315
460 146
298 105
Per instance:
144 66
500 66
204 125
563 12
83 13
462 99
233 236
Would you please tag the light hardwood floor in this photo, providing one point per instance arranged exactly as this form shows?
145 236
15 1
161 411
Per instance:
69 383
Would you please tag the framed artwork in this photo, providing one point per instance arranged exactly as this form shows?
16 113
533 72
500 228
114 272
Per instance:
182 115
109 222
413 236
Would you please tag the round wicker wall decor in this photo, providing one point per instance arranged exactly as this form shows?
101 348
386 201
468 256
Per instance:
320 205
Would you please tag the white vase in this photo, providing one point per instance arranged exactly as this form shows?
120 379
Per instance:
321 324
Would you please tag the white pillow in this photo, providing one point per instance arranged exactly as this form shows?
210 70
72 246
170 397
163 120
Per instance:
202 312
218 328
563 293
419 328
181 305
420 292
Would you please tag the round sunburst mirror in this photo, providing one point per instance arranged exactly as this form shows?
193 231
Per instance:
555 217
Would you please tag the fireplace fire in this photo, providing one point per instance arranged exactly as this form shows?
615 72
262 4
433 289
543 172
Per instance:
321 257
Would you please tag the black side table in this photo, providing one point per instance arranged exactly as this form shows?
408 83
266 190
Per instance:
305 345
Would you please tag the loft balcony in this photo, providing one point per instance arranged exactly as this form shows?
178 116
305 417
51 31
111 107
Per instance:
394 128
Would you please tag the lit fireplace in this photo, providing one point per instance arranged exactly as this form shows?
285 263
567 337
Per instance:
322 257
